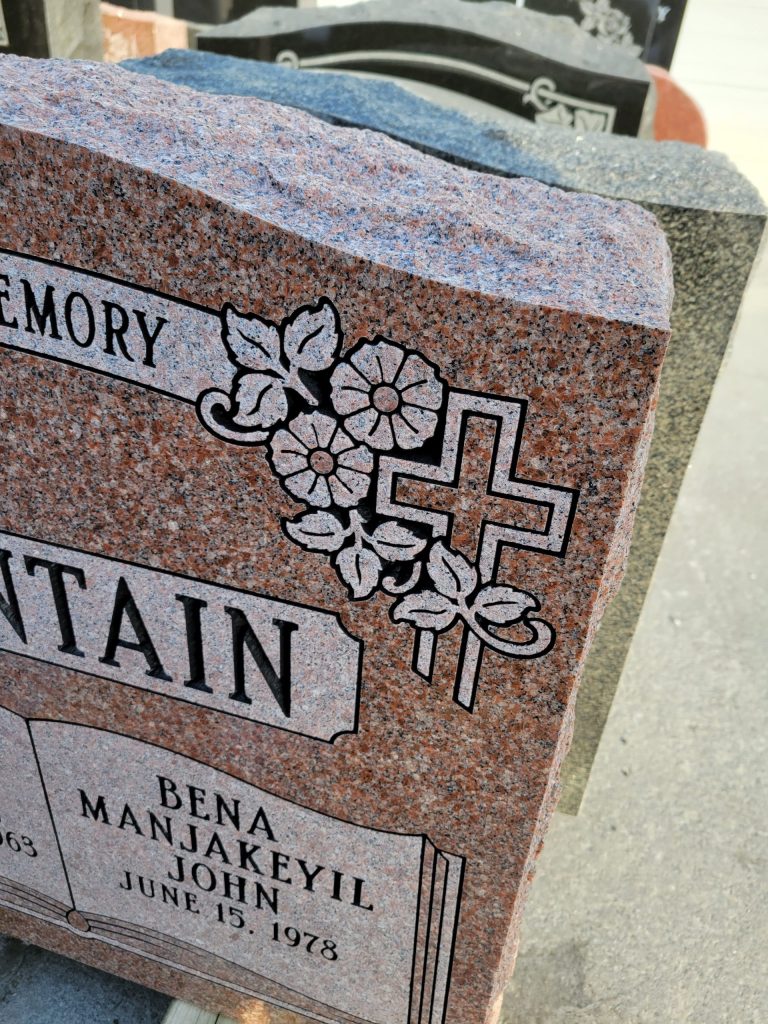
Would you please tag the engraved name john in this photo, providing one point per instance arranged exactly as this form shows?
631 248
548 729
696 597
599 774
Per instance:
282 664
408 485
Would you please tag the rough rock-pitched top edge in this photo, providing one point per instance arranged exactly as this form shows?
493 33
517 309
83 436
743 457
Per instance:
357 191
619 166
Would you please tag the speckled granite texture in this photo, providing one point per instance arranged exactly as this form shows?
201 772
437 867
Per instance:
460 297
38 987
714 221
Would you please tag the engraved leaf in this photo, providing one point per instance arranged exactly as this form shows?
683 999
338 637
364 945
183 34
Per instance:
252 343
360 569
427 610
396 543
451 572
503 605
558 114
261 401
312 337
318 531
589 121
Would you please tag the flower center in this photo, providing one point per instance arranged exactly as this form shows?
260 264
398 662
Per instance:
322 462
385 399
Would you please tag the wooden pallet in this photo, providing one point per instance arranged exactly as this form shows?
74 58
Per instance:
258 1013
185 1013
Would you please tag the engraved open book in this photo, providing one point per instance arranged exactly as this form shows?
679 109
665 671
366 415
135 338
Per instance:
143 849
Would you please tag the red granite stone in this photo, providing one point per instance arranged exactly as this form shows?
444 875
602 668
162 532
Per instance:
394 420
678 116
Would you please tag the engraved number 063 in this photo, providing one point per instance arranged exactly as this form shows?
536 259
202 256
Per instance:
17 843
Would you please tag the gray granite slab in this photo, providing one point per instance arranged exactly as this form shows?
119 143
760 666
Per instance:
651 907
714 220
38 987
542 68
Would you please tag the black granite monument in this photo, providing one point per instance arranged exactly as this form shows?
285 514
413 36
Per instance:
668 24
628 24
204 12
543 69
51 28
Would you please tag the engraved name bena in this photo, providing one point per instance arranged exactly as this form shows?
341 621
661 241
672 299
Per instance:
214 856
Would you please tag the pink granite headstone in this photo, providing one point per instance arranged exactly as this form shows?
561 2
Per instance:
319 462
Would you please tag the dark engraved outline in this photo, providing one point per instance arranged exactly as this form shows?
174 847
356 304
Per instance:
461 859
368 503
416 928
236 590
454 936
327 408
428 934
48 805
478 668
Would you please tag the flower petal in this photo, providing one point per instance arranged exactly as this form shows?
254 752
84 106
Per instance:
414 370
350 392
324 427
427 396
390 357
418 384
320 496
422 421
300 484
365 361
379 362
359 458
289 454
405 435
348 487
371 426
422 389
342 442
302 428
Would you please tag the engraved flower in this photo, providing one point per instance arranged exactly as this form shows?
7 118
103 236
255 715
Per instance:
318 462
388 396
607 23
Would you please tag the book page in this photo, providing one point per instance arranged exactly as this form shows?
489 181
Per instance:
202 870
31 874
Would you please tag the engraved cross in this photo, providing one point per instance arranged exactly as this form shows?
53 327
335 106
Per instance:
474 499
